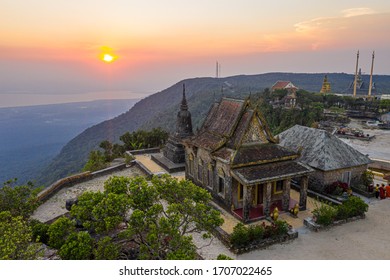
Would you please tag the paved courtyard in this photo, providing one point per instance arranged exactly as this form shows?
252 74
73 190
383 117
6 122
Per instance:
363 239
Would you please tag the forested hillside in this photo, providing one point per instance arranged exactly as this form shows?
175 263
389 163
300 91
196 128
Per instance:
159 110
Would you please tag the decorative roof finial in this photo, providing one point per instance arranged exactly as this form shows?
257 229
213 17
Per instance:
184 105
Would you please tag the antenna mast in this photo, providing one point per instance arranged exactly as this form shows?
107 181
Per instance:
356 74
372 70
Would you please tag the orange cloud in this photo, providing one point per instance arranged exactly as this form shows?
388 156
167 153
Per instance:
356 28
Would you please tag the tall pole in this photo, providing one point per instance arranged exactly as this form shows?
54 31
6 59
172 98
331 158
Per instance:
372 70
356 74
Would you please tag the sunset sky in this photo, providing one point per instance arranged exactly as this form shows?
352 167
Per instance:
51 50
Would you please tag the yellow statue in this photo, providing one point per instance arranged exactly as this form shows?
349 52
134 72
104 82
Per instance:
275 214
295 210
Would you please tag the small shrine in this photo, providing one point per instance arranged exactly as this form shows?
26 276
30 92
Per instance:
172 158
325 86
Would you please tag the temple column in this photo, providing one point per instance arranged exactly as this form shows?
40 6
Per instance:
247 202
303 193
267 200
286 195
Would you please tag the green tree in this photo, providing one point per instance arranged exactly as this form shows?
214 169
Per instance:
108 150
106 249
163 229
16 238
78 246
39 231
96 161
101 212
385 105
59 231
19 200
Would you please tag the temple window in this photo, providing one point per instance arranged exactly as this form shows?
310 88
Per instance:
210 177
221 185
278 187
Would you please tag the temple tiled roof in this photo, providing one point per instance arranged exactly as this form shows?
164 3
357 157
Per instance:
261 153
241 128
206 140
224 154
219 124
224 117
320 149
251 175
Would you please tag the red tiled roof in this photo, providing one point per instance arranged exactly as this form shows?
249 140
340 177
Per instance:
282 85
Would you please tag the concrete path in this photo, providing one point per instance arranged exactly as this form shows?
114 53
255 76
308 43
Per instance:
366 239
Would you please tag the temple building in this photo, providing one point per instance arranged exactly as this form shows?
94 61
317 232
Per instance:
331 159
236 158
287 85
325 86
173 156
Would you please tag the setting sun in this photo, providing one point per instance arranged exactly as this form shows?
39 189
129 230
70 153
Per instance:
108 58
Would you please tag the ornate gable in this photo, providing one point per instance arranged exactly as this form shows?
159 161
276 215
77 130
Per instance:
255 132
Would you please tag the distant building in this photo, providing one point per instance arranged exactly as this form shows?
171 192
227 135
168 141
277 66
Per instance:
331 158
289 86
325 86
235 157
290 100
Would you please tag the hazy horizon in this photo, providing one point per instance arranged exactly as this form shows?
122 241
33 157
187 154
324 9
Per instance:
55 53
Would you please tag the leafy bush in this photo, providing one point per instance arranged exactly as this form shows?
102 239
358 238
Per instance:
106 249
78 246
15 239
353 206
39 231
223 257
324 214
59 231
243 236
255 232
19 200
282 227
240 236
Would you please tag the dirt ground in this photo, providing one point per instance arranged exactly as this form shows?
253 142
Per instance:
366 239
378 148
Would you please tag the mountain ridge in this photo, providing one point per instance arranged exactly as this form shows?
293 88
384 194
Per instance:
159 109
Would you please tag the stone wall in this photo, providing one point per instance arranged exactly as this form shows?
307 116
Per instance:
75 179
200 158
144 151
319 179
